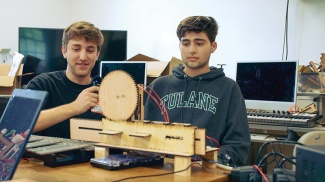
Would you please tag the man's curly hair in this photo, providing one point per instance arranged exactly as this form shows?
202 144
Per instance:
198 24
83 29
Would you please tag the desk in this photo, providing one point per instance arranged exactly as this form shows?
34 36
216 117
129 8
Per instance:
35 170
285 128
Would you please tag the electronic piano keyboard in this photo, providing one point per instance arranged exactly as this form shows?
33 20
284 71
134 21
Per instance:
283 118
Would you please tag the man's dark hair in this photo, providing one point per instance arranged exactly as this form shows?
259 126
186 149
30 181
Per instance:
83 29
198 24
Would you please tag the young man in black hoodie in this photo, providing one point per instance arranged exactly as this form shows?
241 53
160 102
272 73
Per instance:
202 95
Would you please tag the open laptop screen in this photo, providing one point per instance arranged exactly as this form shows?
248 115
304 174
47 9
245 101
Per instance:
16 125
3 103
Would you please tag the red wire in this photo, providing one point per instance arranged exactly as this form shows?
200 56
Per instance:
155 101
163 105
261 172
214 140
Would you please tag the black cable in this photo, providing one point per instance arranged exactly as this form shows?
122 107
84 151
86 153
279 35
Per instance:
281 163
277 162
287 30
274 155
273 152
281 148
285 174
277 154
276 141
289 159
146 176
213 171
285 41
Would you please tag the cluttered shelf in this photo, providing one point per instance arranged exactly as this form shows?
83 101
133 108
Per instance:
314 94
311 83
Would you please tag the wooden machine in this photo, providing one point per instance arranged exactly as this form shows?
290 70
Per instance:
121 102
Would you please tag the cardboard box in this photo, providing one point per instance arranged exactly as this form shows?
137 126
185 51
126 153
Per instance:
156 68
9 83
5 57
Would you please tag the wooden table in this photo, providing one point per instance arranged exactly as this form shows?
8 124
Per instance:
33 169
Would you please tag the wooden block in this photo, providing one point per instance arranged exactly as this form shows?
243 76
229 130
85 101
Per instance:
110 132
209 158
313 81
168 139
181 163
306 69
142 135
84 129
200 144
101 152
313 66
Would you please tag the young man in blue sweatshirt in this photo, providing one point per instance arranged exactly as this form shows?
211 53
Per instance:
202 95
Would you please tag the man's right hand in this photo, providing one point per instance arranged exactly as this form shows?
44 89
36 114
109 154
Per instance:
86 100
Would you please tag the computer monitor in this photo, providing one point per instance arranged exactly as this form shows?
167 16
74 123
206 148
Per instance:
268 85
136 69
44 45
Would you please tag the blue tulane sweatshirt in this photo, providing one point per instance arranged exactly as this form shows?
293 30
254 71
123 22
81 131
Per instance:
211 101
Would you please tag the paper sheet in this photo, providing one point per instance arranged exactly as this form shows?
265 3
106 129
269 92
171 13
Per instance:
15 64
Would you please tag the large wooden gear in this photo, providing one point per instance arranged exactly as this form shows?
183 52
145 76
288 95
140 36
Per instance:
118 95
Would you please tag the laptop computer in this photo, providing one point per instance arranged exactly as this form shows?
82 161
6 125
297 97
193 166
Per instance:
3 103
16 126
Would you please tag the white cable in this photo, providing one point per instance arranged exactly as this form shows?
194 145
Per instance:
229 168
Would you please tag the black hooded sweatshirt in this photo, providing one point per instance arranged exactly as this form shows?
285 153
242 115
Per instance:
61 91
211 101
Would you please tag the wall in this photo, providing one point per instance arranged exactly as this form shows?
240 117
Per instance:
32 13
249 30
312 38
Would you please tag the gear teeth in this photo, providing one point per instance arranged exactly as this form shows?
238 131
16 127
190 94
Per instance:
112 84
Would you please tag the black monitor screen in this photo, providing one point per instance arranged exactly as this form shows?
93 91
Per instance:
273 81
268 85
136 69
43 45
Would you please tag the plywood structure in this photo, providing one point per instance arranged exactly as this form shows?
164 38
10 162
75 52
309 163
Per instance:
86 130
155 137
118 98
